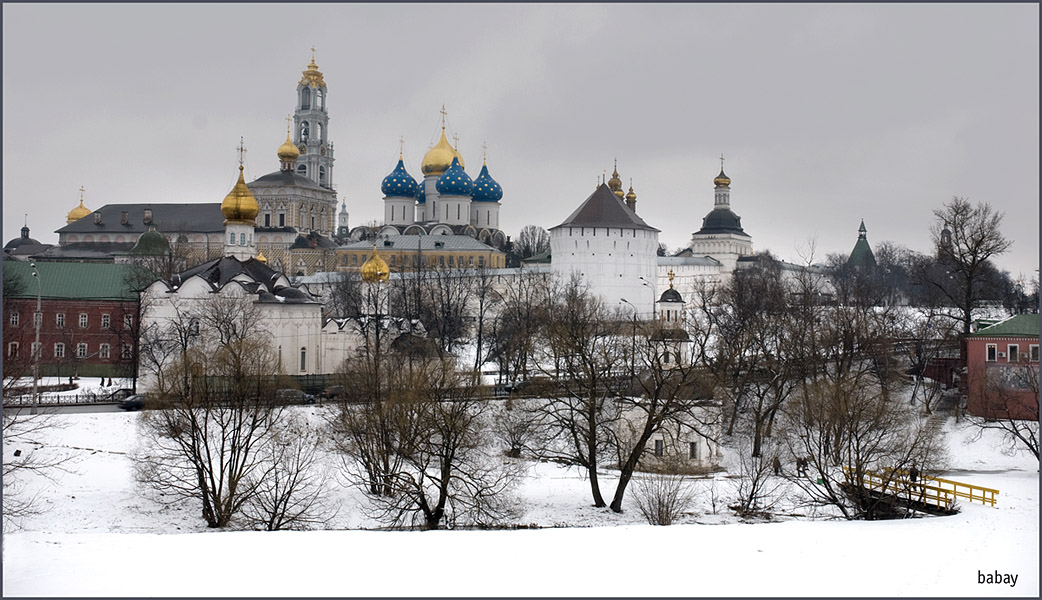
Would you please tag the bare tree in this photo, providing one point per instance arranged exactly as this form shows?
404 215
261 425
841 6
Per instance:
966 237
847 431
516 326
662 498
663 395
448 475
586 358
1012 397
291 488
487 300
218 410
531 241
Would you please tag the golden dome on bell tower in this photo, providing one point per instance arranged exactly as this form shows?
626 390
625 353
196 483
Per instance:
439 158
375 270
79 212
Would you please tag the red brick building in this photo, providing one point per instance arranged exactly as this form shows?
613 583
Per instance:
1002 370
88 323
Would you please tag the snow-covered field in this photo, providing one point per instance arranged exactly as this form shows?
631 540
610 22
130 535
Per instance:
101 535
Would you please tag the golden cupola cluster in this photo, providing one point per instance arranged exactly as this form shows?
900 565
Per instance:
312 76
79 212
631 195
375 270
615 183
240 205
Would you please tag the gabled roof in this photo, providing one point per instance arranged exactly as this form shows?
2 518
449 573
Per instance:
1020 325
192 218
604 209
73 281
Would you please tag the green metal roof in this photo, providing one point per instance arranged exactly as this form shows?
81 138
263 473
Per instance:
1020 325
73 281
861 255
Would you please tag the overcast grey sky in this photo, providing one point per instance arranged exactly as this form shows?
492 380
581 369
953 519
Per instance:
826 114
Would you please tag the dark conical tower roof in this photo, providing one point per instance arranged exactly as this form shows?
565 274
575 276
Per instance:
861 255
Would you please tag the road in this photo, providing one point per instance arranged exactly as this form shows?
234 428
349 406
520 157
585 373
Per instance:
67 409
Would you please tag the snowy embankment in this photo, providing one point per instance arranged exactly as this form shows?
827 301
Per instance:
100 535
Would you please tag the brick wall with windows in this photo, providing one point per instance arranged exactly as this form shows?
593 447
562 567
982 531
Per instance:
72 332
1002 373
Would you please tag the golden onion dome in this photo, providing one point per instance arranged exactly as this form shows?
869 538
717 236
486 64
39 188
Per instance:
439 158
375 269
722 180
240 205
288 150
261 258
615 184
78 213
631 195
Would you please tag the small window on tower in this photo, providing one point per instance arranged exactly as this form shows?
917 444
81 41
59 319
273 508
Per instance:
302 170
305 98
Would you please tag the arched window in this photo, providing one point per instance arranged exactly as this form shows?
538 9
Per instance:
318 130
303 359
322 175
302 170
304 129
305 98
320 99
231 239
242 239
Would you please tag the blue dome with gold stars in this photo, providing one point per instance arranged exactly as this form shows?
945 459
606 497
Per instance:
421 193
399 183
486 189
454 181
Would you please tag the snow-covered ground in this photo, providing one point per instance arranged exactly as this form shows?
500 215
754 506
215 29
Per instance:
101 535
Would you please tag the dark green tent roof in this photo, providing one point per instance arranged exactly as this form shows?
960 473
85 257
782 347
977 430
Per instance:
861 255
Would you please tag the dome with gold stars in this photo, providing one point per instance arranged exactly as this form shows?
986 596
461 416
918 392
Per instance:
439 158
240 206
375 270
454 181
399 183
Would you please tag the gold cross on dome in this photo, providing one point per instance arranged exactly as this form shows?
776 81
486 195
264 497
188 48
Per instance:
721 161
484 151
670 278
443 113
455 138
82 189
242 151
401 146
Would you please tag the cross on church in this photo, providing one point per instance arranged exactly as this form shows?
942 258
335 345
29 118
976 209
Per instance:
401 146
484 151
443 113
242 151
82 189
721 161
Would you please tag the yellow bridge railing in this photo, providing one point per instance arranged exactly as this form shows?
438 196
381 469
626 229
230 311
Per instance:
935 491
